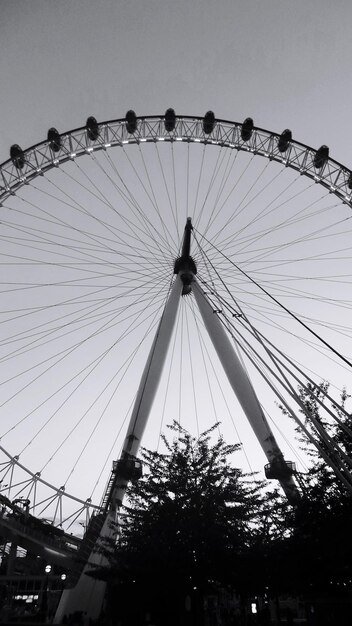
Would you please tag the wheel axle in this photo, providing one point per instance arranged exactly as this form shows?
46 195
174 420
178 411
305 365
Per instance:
185 265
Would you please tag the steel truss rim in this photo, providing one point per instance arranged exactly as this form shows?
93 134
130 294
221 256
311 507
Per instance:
37 477
75 143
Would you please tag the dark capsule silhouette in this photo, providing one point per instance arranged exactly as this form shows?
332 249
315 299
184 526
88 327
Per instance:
92 127
284 140
17 156
247 129
170 120
208 122
321 156
279 469
129 468
54 139
131 122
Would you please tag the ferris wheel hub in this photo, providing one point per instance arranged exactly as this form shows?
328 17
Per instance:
185 265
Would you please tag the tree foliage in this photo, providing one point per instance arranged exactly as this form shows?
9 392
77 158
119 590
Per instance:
195 523
190 521
193 506
315 558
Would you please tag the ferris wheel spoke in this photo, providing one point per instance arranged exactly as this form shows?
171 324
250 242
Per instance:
119 374
310 237
248 240
62 355
167 238
213 382
265 210
225 178
132 230
58 243
70 326
244 321
289 312
152 197
217 172
323 438
141 217
230 201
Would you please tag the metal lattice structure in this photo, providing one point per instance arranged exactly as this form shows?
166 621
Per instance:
27 489
41 157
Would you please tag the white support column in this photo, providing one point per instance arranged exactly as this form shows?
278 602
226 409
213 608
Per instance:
150 378
242 386
88 594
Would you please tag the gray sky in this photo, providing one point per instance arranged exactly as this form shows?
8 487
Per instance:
285 63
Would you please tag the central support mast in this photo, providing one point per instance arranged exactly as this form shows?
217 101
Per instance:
184 266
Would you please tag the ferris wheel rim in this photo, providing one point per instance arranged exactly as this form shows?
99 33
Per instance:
72 144
36 476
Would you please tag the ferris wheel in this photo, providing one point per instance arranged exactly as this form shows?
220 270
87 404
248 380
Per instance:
150 267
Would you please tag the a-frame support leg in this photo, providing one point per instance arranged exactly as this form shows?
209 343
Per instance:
88 594
150 381
243 389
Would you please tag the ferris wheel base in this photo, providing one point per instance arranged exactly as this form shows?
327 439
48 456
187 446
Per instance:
87 596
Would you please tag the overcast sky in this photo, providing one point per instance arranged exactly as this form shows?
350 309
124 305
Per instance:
286 63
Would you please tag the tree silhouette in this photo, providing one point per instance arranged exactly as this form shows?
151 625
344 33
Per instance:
314 559
188 527
195 524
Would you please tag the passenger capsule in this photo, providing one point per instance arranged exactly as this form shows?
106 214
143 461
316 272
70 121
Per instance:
284 140
349 182
131 122
92 127
247 129
170 120
321 156
54 139
208 122
17 156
